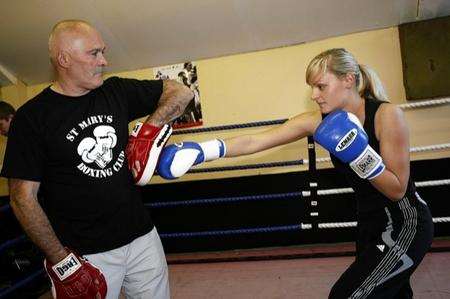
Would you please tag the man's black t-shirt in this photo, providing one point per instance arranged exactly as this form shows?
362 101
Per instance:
75 148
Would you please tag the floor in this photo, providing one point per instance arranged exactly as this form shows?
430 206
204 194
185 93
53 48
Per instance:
293 278
287 272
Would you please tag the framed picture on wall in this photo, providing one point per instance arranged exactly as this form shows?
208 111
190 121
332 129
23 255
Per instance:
185 73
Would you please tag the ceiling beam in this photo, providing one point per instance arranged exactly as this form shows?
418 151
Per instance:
8 75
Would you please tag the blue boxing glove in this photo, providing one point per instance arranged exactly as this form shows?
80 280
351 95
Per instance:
342 135
176 159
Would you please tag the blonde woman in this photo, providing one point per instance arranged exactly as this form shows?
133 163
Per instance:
369 143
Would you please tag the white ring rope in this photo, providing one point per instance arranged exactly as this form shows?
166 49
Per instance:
318 160
427 103
350 190
441 219
433 183
354 223
337 224
334 191
425 148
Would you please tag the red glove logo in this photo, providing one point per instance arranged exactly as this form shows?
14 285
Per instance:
74 277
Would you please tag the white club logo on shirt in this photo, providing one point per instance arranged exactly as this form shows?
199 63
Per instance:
98 150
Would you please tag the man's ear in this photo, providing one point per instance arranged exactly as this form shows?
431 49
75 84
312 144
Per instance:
63 59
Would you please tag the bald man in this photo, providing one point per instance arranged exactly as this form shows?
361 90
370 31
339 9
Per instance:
70 144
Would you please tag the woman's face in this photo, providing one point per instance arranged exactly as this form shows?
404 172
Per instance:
330 92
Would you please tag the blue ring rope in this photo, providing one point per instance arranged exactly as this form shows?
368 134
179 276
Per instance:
12 242
5 208
248 166
268 229
6 291
231 127
163 204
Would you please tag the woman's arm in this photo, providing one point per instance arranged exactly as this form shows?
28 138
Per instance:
294 129
176 159
392 132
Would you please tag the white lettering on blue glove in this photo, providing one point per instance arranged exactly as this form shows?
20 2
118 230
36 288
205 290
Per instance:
342 135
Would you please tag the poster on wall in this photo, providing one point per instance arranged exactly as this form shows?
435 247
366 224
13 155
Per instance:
185 73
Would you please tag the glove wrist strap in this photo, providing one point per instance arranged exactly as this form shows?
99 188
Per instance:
368 164
213 149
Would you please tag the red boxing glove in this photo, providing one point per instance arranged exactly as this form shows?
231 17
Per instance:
144 146
75 277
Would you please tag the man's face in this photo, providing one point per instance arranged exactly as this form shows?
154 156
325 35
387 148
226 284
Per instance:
86 60
4 125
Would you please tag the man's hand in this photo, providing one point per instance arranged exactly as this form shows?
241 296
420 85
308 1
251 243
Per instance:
74 277
144 146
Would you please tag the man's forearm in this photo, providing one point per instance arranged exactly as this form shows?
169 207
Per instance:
33 219
174 99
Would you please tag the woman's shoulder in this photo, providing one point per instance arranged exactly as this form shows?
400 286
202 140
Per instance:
390 110
389 118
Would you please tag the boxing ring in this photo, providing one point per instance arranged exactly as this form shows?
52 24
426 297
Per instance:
299 255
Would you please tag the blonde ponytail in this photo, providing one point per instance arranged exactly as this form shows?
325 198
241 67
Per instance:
370 84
